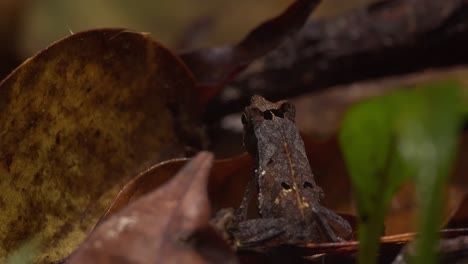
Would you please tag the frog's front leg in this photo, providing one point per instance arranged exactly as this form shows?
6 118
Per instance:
241 212
332 226
261 232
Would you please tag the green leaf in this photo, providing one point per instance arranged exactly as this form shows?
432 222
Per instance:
428 139
388 139
27 252
368 145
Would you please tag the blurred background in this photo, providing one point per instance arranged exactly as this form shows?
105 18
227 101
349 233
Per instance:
28 26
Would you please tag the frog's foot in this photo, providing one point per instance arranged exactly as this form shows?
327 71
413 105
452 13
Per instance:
224 221
261 232
333 226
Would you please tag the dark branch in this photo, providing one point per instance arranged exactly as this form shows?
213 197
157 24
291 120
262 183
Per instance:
387 38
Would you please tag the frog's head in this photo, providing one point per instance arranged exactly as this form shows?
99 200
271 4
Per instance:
259 111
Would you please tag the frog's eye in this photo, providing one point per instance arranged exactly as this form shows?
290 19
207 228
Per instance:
285 186
268 115
288 110
307 185
286 107
244 119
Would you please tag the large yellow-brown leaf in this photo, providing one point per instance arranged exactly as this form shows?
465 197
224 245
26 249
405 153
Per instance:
76 121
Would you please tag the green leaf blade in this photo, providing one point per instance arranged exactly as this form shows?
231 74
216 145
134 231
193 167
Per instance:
388 140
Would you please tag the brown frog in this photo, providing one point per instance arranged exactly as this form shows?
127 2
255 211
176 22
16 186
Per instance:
288 199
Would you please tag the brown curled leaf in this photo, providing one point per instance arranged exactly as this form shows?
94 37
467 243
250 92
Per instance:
76 120
169 224
215 66
226 183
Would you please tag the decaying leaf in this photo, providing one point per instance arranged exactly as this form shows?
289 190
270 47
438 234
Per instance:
227 182
76 121
167 225
213 67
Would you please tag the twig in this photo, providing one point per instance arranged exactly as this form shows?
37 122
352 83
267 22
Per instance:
390 37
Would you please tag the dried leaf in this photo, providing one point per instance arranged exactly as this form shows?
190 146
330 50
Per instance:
215 66
76 121
226 184
165 225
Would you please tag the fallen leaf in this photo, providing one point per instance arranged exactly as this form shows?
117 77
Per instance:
167 225
227 182
76 121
